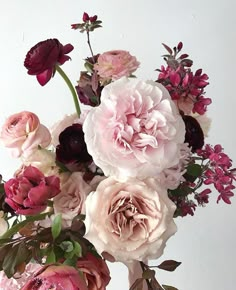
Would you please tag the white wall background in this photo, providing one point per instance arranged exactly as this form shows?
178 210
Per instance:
205 243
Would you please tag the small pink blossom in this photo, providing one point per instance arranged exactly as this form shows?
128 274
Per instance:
114 64
23 133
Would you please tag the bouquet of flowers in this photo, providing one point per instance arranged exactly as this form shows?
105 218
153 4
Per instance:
106 183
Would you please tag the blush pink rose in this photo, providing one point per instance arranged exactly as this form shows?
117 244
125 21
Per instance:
23 133
130 220
136 130
95 271
114 64
30 190
71 200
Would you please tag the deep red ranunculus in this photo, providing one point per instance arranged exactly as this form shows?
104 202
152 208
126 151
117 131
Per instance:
72 147
194 135
30 190
43 57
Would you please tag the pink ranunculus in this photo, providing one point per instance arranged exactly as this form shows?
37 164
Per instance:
136 130
130 220
30 190
58 277
23 133
95 272
114 64
71 200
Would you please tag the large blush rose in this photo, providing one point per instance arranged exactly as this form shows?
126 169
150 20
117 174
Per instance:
23 133
136 130
129 220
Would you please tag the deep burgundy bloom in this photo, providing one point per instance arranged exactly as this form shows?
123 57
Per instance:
30 190
72 147
43 57
194 135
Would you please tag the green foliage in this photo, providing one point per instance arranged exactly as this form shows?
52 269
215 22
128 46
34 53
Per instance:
56 226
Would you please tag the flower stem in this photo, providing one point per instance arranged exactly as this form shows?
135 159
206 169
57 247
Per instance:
90 47
71 87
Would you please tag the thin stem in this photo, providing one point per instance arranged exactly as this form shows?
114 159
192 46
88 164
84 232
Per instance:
71 87
147 281
90 47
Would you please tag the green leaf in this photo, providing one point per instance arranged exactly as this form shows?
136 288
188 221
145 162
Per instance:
77 249
169 265
166 287
16 256
67 246
56 226
51 258
148 274
194 170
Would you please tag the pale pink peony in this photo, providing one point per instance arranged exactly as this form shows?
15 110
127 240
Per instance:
95 272
136 130
130 220
71 200
114 64
23 133
18 282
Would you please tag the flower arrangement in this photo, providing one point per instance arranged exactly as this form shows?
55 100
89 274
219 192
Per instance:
106 183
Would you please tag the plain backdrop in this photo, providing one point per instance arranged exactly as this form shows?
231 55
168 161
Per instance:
205 243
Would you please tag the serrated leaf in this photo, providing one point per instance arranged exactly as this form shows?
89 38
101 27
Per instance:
56 226
169 265
167 287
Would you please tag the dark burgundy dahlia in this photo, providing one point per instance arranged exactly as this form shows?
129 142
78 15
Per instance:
72 147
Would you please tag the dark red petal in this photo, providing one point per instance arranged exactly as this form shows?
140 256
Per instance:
45 76
67 48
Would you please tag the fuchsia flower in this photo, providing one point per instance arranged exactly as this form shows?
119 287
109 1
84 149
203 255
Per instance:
44 56
58 277
30 190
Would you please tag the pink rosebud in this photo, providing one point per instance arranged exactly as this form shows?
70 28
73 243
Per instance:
44 56
85 17
95 272
23 133
56 277
30 190
114 64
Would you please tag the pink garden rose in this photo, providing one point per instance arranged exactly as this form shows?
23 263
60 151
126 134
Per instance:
95 271
30 190
136 130
56 277
23 133
114 64
130 220
71 200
